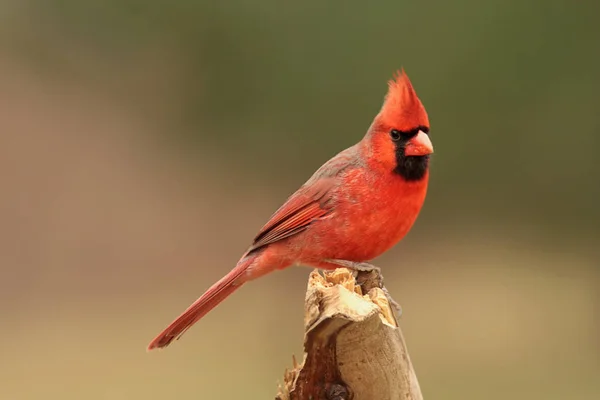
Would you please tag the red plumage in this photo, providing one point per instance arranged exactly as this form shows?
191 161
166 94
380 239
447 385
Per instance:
355 207
402 109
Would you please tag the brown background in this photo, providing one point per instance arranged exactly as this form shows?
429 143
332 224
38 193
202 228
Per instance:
143 144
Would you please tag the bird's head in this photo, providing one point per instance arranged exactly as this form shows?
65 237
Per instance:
398 139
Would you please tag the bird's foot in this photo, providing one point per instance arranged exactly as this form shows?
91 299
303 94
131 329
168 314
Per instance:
354 265
368 276
392 302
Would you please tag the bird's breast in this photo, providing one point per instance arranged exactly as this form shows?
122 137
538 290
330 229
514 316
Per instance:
371 214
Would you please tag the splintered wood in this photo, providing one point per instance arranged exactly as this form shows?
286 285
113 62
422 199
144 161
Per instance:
353 346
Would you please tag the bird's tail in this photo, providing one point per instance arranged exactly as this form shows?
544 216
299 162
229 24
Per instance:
209 300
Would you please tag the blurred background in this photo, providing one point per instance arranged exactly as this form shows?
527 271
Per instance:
144 143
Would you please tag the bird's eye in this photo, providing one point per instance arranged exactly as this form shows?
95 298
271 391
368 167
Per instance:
395 135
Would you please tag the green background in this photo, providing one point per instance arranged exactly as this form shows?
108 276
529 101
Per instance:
143 144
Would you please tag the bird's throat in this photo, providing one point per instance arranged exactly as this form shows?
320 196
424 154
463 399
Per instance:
411 168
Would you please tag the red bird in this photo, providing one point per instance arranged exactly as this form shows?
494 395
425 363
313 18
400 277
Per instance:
355 207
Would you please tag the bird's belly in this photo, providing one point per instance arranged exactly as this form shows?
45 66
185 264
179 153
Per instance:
371 234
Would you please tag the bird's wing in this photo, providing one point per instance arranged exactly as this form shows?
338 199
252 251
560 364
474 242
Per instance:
311 202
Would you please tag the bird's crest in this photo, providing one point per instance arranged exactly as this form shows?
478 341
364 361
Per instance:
402 109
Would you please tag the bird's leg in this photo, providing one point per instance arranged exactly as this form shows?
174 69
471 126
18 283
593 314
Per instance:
367 267
355 266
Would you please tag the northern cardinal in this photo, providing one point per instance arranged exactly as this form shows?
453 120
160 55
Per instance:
355 207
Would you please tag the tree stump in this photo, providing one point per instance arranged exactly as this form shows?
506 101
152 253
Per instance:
354 348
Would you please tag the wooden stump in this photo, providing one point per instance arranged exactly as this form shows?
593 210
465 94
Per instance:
354 349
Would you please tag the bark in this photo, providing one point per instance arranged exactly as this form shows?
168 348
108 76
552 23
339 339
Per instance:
353 346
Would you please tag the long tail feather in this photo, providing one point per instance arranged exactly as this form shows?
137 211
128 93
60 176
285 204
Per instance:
209 300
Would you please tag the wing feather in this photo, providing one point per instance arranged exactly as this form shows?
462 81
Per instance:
311 202
302 208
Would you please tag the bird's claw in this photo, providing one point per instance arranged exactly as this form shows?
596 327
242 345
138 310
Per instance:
355 266
392 302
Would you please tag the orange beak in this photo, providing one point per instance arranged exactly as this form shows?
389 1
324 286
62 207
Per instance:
419 145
